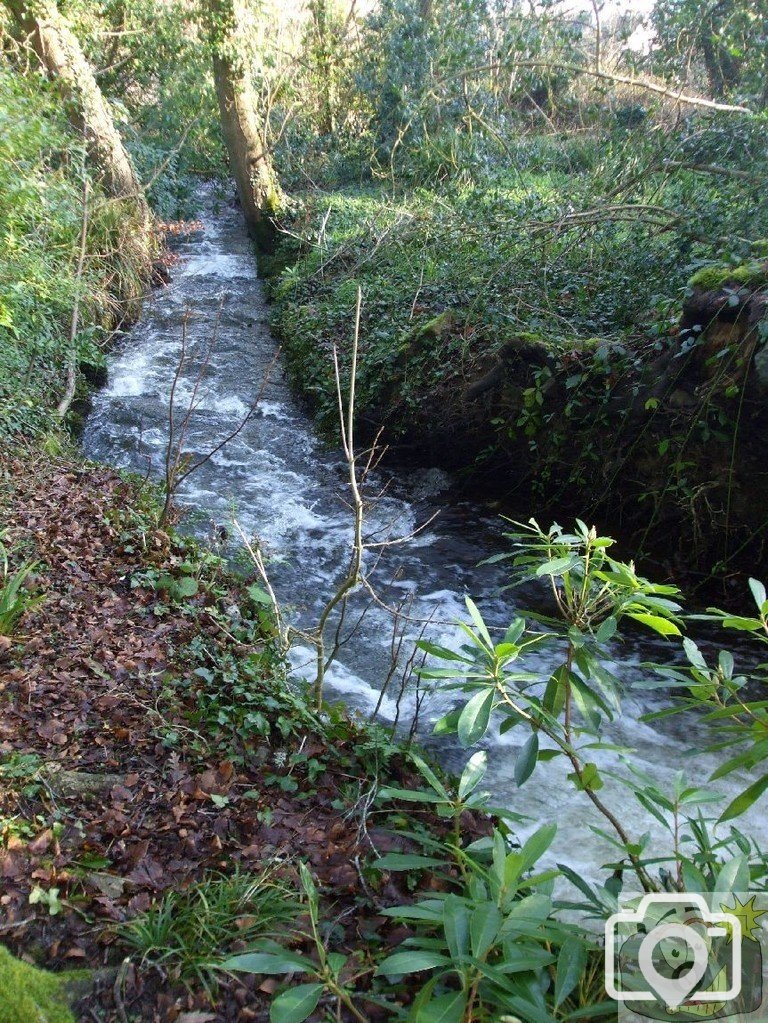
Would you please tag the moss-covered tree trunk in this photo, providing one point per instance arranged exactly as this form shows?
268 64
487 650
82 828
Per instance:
62 57
254 175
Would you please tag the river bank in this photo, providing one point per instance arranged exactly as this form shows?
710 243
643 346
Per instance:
191 730
288 487
151 743
615 385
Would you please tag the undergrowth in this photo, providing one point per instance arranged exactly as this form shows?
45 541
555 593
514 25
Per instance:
42 169
533 249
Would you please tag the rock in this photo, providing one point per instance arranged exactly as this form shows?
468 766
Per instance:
727 318
29 995
108 884
80 783
438 326
760 365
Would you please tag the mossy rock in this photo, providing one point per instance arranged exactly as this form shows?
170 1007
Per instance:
438 325
712 278
31 995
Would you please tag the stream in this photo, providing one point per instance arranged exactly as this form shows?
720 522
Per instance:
287 486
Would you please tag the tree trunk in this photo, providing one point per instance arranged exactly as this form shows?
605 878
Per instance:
62 57
257 184
322 18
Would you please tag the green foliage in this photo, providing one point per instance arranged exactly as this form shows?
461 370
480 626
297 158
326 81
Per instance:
593 594
739 724
723 45
502 260
158 77
187 931
39 224
487 939
41 210
16 598
441 111
494 947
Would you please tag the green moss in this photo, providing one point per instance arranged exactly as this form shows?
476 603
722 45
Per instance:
711 278
437 326
30 995
346 292
534 338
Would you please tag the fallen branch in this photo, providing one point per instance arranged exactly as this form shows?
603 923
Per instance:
654 216
609 76
712 168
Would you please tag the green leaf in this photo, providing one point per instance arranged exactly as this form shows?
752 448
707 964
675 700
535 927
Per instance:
447 724
478 622
421 912
694 655
742 624
570 967
295 1005
429 775
475 717
734 876
309 886
411 962
456 927
607 630
526 759
535 847
410 795
693 879
441 652
758 592
406 861
557 566
745 799
259 596
473 773
448 1008
590 780
185 587
484 925
663 626
268 963
515 631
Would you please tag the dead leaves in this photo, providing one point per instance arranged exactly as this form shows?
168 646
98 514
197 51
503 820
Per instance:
81 693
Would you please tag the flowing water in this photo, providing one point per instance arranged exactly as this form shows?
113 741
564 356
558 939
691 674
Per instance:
287 486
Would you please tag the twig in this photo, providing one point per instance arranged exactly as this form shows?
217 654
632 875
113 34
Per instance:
117 992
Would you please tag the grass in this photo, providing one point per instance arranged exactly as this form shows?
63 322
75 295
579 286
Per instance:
188 933
15 598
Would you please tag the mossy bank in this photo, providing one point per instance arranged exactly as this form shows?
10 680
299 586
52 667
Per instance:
615 375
